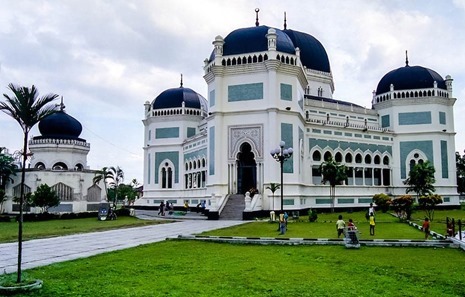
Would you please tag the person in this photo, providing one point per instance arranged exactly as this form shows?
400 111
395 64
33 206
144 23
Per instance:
371 209
161 209
351 226
186 206
282 223
450 229
286 217
425 227
372 224
340 225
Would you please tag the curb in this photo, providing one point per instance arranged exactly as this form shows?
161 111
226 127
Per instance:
318 241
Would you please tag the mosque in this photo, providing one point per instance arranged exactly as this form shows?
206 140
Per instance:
59 159
270 88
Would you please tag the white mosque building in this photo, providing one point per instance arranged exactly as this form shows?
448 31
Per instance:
267 85
59 160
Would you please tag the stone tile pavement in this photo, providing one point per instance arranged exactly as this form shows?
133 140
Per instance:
46 251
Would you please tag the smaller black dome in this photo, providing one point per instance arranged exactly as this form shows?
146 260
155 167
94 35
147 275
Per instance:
410 78
173 98
60 125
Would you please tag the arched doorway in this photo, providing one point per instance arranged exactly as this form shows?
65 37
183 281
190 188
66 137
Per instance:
246 169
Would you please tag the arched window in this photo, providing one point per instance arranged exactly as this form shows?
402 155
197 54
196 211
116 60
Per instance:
358 158
60 166
78 167
166 176
316 156
377 159
348 158
338 157
328 156
386 160
367 159
40 166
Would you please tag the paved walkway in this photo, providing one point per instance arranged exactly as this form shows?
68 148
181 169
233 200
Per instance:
41 252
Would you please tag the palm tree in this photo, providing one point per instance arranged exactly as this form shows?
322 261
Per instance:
335 174
273 187
102 175
116 176
27 109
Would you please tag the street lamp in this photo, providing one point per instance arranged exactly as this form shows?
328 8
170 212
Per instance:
280 155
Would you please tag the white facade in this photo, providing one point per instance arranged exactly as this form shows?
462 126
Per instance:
256 99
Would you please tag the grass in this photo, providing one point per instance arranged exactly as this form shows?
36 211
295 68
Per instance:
191 268
34 230
387 227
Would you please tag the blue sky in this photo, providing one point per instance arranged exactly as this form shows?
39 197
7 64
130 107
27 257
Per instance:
106 58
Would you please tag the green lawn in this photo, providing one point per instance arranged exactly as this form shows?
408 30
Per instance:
33 230
191 268
387 227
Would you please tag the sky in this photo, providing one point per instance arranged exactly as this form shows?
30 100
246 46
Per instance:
107 58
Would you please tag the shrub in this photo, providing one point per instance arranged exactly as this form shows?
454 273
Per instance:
312 215
122 212
403 206
68 216
383 201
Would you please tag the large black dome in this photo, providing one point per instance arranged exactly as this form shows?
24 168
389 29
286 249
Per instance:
312 53
410 78
253 39
60 125
173 98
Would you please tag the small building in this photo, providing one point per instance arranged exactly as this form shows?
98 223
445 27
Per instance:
59 159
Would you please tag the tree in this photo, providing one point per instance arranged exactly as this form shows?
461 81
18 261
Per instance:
421 179
7 169
273 187
428 204
335 174
102 175
403 207
45 197
2 199
26 108
124 191
382 201
116 177
460 165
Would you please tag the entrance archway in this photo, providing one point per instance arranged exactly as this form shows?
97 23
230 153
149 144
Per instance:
246 169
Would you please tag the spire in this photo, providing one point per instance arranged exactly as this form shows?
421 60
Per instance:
406 58
285 21
256 18
61 105
181 81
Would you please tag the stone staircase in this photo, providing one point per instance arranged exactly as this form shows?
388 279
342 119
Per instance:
234 208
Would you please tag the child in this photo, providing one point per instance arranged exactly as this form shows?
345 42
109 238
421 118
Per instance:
372 224
351 225
340 224
425 228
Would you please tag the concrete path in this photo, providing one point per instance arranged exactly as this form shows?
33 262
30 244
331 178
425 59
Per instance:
41 252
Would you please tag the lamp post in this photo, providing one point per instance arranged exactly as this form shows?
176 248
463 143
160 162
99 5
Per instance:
280 155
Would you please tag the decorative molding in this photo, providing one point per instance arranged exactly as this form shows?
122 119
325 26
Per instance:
237 135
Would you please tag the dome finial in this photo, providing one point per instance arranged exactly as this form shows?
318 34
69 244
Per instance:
285 21
406 58
181 81
61 105
256 18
